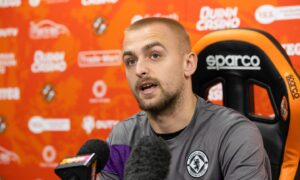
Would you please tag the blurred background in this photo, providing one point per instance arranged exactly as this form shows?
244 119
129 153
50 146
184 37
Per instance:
62 80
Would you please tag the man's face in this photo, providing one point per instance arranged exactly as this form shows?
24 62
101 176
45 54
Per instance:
154 66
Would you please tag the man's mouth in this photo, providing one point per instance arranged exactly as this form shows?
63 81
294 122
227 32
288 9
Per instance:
146 86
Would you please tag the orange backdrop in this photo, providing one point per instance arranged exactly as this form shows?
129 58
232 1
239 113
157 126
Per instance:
61 75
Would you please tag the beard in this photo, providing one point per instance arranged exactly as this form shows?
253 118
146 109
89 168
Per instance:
166 101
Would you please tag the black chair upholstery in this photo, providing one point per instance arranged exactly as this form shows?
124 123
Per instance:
240 59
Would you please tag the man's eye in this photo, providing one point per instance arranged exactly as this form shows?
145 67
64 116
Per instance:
154 56
130 61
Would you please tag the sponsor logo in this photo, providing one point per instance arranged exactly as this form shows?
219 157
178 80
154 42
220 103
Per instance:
267 14
197 164
7 157
48 92
215 93
10 3
89 123
2 124
292 49
97 2
234 62
49 155
284 109
99 25
39 124
100 58
48 62
218 18
47 29
139 17
7 60
10 93
8 32
36 3
292 86
99 90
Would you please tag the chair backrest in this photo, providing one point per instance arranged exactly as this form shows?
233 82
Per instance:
240 59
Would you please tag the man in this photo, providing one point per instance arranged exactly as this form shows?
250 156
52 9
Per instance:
206 141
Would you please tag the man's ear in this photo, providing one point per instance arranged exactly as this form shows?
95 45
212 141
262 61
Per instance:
190 64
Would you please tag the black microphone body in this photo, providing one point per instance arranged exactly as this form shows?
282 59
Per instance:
149 160
90 160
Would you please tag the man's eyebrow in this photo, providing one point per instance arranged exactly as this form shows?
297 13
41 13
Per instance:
151 45
145 48
127 53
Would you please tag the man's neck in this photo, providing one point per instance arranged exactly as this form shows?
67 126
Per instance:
175 119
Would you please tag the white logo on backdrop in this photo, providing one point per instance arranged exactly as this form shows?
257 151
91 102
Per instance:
218 18
10 3
8 32
89 123
235 62
7 60
99 90
292 49
49 155
139 17
267 14
7 157
38 124
36 3
10 93
215 93
47 29
48 61
97 2
100 58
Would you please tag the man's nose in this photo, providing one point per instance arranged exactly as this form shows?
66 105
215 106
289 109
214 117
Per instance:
141 68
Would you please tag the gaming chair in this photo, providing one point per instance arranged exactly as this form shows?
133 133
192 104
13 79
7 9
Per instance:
240 59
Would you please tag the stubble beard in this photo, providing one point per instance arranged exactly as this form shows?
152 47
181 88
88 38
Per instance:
166 102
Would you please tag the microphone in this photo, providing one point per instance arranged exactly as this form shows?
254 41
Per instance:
149 160
90 160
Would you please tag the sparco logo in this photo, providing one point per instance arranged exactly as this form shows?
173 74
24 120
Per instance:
292 86
10 3
236 62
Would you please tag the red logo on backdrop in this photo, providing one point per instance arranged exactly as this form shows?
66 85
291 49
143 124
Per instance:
47 29
99 58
